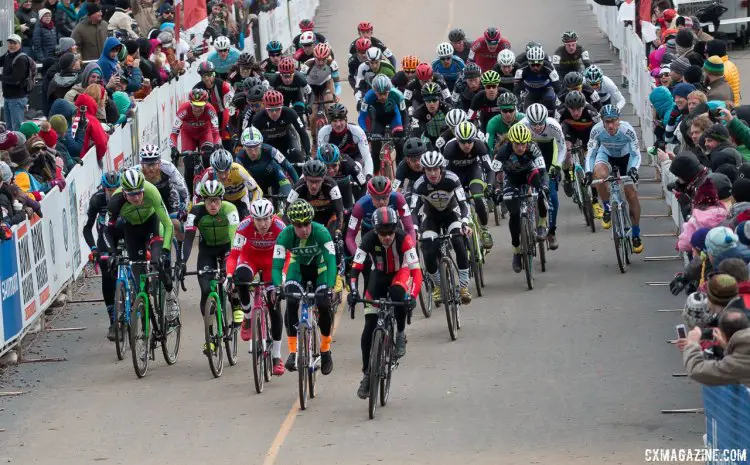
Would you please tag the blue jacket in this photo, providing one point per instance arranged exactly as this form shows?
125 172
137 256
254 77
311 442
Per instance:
372 109
107 64
222 66
662 101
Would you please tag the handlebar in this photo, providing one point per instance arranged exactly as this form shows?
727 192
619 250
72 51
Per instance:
380 302
442 237
384 138
521 196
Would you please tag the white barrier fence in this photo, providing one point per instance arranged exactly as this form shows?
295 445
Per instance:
282 23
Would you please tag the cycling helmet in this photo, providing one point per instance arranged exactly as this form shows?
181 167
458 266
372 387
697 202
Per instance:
444 50
314 169
252 81
537 113
300 212
506 58
255 93
374 54
466 131
409 63
535 55
532 44
111 179
575 99
251 137
472 70
415 147
274 46
424 72
307 38
573 79
150 153
519 133
273 98
286 65
430 91
379 186
507 100
569 36
381 84
456 35
329 154
206 68
337 111
211 188
432 159
322 51
593 74
132 180
306 25
221 160
364 26
609 112
221 43
362 44
198 97
245 60
384 219
261 208
491 35
455 117
491 78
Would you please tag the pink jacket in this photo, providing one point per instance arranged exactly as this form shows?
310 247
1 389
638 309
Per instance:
709 218
654 58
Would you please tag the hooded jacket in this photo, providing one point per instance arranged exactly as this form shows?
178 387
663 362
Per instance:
65 18
108 65
90 38
733 368
724 153
662 101
95 135
73 142
708 218
63 81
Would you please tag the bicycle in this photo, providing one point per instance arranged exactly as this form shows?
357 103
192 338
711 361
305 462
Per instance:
318 120
194 170
425 292
387 152
529 239
448 271
382 352
474 247
582 192
621 227
124 286
261 340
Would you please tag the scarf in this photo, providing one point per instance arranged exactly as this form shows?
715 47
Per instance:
50 25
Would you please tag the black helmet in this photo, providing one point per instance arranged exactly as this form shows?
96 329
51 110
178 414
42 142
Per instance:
472 70
246 60
314 169
414 147
252 81
456 35
575 99
573 79
337 111
384 219
255 93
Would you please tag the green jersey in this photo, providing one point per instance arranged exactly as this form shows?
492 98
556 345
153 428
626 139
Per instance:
497 129
152 204
216 229
317 249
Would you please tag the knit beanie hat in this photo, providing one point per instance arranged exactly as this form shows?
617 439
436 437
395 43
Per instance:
5 173
671 46
668 58
680 65
696 309
713 65
716 47
722 182
92 8
743 232
730 171
706 195
682 90
122 101
698 239
684 39
741 190
66 62
721 289
48 135
131 46
59 124
720 239
8 140
717 132
64 45
29 128
745 170
693 75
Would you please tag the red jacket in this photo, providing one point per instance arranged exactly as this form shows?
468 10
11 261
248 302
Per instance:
95 134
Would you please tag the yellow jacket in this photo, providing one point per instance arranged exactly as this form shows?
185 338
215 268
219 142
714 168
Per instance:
732 75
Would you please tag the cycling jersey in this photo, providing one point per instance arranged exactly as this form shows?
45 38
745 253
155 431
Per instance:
269 69
464 54
451 72
610 94
352 142
400 80
319 76
328 205
295 93
579 129
216 230
254 249
483 108
523 62
319 39
362 218
624 143
459 160
551 141
96 215
507 81
276 133
448 194
588 92
565 62
497 129
223 65
365 74
172 187
317 250
220 96
482 56
413 90
352 65
463 95
351 181
428 125
537 81
239 184
377 43
405 173
400 259
527 169
383 113
152 205
195 130
270 169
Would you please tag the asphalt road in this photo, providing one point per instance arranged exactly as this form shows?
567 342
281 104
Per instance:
575 371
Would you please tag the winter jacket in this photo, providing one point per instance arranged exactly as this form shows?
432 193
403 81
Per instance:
732 75
62 83
90 38
14 74
144 15
724 153
120 20
95 135
30 18
8 214
734 212
109 66
708 218
65 19
734 368
720 90
44 42
662 101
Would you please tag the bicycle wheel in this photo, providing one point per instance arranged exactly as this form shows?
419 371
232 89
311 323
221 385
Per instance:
628 244
425 292
213 349
258 355
527 251
542 248
171 331
376 367
496 212
268 362
452 274
312 373
385 380
122 321
140 339
303 360
618 236
231 339
448 301
474 265
588 209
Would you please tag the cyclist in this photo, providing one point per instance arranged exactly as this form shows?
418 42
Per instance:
570 56
323 79
254 97
270 65
439 199
96 215
322 192
381 106
196 124
292 84
373 66
364 30
499 125
484 50
240 187
396 255
408 72
461 46
453 118
139 206
538 80
348 137
217 220
359 56
169 182
220 95
410 168
522 164
223 56
424 75
577 118
614 142
522 60
274 122
448 64
608 92
245 67
251 254
312 260
265 164
306 25
346 172
305 51
548 135
574 81
428 120
507 68
486 103
467 86
468 158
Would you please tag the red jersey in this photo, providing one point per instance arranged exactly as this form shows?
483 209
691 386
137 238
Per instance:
482 56
195 127
251 247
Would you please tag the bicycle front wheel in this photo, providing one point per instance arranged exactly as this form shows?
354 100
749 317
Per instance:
140 338
303 362
618 236
385 380
213 348
449 299
231 339
527 251
171 330
376 368
312 371
474 265
122 321
588 208
258 355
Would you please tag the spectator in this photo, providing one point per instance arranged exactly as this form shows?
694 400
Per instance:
708 212
741 194
51 66
65 17
95 135
45 167
147 67
15 73
106 109
108 61
168 47
723 187
91 33
44 39
52 141
718 87
700 35
690 174
130 76
121 22
698 127
21 159
722 243
27 18
719 148
64 80
165 13
123 103
11 210
662 103
92 74
718 48
663 78
684 42
145 16
694 99
738 270
721 289
61 120
29 129
680 93
694 76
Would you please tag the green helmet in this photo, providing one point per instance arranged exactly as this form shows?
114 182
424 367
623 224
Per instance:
430 91
490 78
211 188
466 131
132 180
251 137
300 212
507 100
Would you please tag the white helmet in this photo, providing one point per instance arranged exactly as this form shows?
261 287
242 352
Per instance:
251 137
221 160
261 208
535 54
150 153
506 58
455 117
536 113
374 54
221 43
444 49
307 38
432 159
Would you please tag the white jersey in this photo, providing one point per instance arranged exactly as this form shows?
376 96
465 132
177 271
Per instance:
553 133
609 94
354 136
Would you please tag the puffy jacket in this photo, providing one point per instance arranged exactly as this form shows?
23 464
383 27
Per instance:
44 42
708 218
732 75
662 101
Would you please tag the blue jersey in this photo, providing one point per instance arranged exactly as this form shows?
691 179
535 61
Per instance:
385 113
623 143
450 73
364 209
270 166
223 65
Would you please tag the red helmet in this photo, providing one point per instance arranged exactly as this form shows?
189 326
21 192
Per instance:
379 186
322 51
273 98
492 35
362 44
286 65
364 26
198 97
306 25
424 72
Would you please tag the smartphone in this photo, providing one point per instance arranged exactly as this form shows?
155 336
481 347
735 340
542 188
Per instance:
681 331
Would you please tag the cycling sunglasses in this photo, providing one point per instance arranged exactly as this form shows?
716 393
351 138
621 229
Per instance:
385 231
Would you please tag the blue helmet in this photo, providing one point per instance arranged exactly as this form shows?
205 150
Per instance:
329 154
609 112
274 46
111 179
